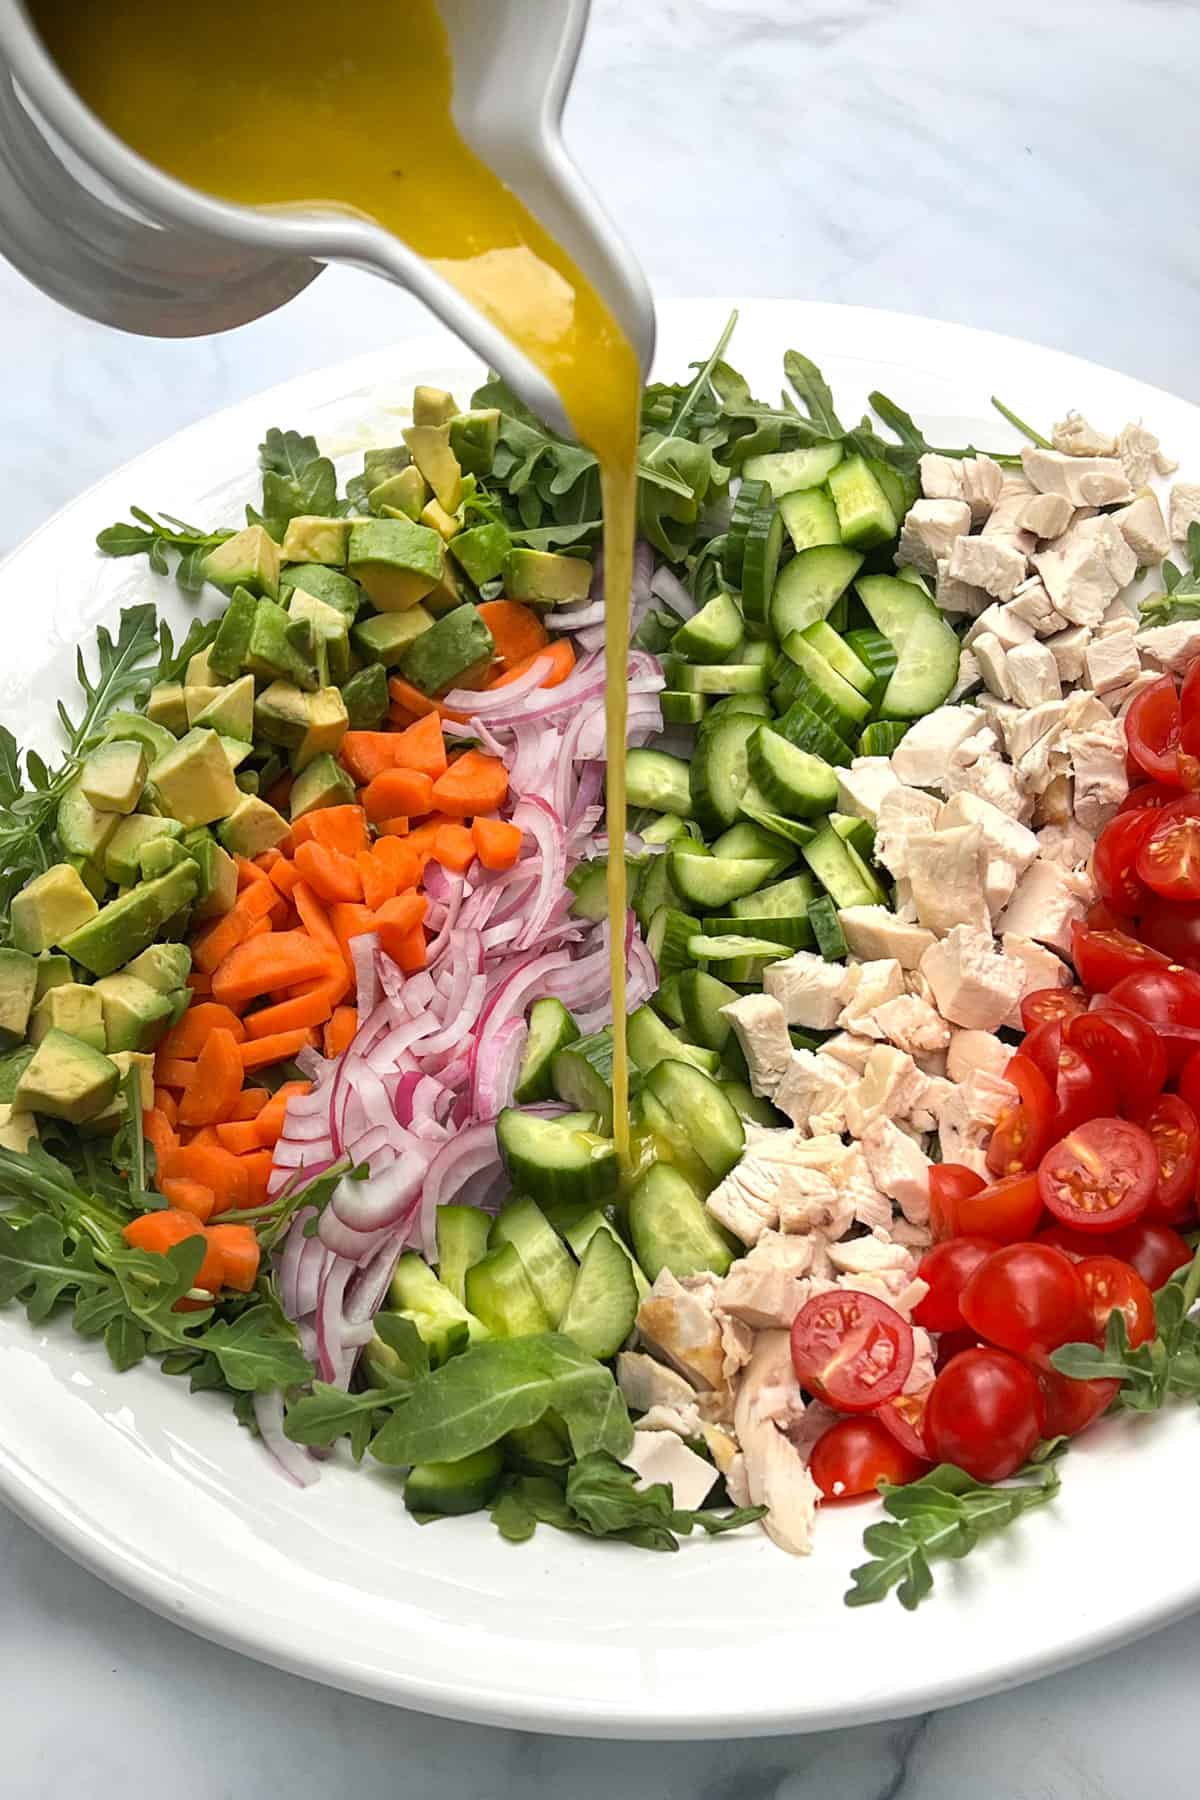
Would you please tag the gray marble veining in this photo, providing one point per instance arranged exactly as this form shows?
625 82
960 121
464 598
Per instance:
1017 166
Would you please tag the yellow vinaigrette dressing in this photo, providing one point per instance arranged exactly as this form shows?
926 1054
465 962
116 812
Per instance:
273 105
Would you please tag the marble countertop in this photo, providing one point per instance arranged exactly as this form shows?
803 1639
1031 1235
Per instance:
1026 168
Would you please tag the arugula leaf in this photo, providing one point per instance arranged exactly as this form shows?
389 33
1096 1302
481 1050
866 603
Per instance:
814 394
38 1265
257 1351
1035 437
1156 1371
297 480
401 1335
1180 599
153 537
601 1498
320 1418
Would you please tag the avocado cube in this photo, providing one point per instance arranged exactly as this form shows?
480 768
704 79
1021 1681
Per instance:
136 1015
384 461
231 711
365 695
164 967
249 559
473 439
236 751
83 830
66 1079
447 525
17 1129
482 552
328 722
330 631
157 739
167 707
311 539
281 714
125 927
52 971
201 686
450 592
405 493
252 827
73 1008
335 589
432 406
227 652
216 873
544 578
280 647
91 874
114 774
385 637
104 1124
200 671
195 782
18 989
457 652
323 783
49 908
122 858
431 452
396 561
159 855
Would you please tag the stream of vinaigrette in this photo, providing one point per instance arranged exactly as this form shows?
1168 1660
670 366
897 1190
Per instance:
270 104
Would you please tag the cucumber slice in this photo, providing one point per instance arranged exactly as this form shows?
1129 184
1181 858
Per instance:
901 489
653 891
589 884
551 1029
841 658
791 471
793 781
701 997
792 829
793 932
810 519
713 881
720 770
450 1489
824 690
658 781
523 1225
801 726
701 1112
604 1300
750 704
667 1002
650 1041
894 606
682 709
881 737
749 1106
926 670
713 635
663 830
671 1229
760 561
577 1121
865 517
908 573
500 1293
667 940
582 1229
462 1241
759 652
582 1075
746 839
751 498
873 650
809 585
716 678
550 1162
711 947
822 916
841 871
858 832
782 900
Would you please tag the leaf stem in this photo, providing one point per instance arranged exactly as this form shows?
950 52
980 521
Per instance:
1035 437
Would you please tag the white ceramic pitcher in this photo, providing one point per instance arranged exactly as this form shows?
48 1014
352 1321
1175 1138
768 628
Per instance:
110 236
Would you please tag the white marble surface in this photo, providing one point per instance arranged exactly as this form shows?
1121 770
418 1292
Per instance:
1016 166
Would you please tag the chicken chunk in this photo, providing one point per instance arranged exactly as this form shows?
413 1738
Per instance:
1046 515
1075 437
1098 764
807 989
873 933
1083 480
1141 455
658 1456
1044 907
1085 568
862 786
1184 509
868 985
982 482
968 1116
989 563
681 1328
971 1050
941 477
899 1168
1002 623
762 1031
911 1024
1111 661
1032 603
768 1287
957 596
948 871
1033 676
1144 529
813 1090
930 532
1171 647
1069 650
973 984
920 758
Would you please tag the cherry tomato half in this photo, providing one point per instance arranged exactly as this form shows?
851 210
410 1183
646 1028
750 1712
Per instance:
851 1350
1023 1128
949 1185
1173 928
1045 1004
1007 1212
1152 727
1167 857
1189 1082
1025 1296
1102 956
947 1268
1109 1284
1115 860
1155 1251
1071 1406
1084 1090
1101 1176
1169 997
1148 795
985 1414
1175 1133
904 1417
855 1454
1127 1048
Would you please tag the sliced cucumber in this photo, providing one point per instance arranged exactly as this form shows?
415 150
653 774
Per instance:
701 1112
716 678
746 839
682 709
589 884
720 770
710 947
881 737
713 635
926 670
701 997
793 830
901 489
749 1106
801 726
865 516
758 651
823 689
658 781
667 939
873 650
671 1229
500 1293
752 497
523 1225
713 881
822 916
580 1232
582 1075
894 606
841 871
756 704
791 471
760 561
809 585
462 1237
650 1042
604 1300
841 658
794 782
452 1488
908 573
792 931
653 891
551 1029
663 830
810 519
858 832
782 900
549 1162
666 1001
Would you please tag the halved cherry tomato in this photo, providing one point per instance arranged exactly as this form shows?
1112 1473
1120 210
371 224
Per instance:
947 1268
1007 1212
1045 1004
1115 860
1148 794
1189 693
1099 917
949 1185
1025 1296
1189 1082
1043 1045
1169 997
904 1417
1152 727
1109 1284
1172 927
1103 956
1127 1048
1155 1251
1101 1176
1175 1133
1071 1406
1084 1090
1075 1244
985 1414
851 1350
1166 859
853 1455
1023 1128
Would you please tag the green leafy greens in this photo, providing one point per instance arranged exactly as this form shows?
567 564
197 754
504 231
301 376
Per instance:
1164 1367
1180 598
297 480
601 1498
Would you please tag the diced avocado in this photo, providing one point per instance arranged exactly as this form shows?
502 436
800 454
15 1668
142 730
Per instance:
49 908
366 694
159 855
249 559
52 971
201 686
383 462
449 591
309 539
385 637
544 578
114 774
136 1015
328 722
281 647
330 631
473 439
248 780
82 829
17 1129
227 652
216 872
281 714
447 525
323 783
12 1067
144 1064
200 671
457 653
123 928
335 589
104 1124
157 739
122 857
18 987
432 406
252 827
163 967
404 493
236 751
482 551
397 561
231 713
430 447
195 782
73 1008
91 874
167 707
66 1079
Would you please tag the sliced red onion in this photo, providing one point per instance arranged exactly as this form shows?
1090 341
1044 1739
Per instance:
384 1199
293 1459
362 955
495 701
496 1067
310 1063
462 1159
310 1272
665 585
546 828
330 1353
570 618
368 1287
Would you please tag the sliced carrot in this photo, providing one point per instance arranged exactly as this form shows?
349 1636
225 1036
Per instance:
340 1032
285 875
261 1052
237 1247
497 843
397 920
401 862
158 1128
316 923
266 859
238 1135
517 631
312 1007
348 922
422 837
212 1167
165 1103
198 1135
210 1095
421 748
282 960
378 881
173 1071
214 945
259 898
250 1103
270 1119
248 873
365 754
412 952
562 661
188 1196
454 848
161 1231
408 792
337 827
474 783
410 699
199 984
188 1038
331 874
397 827
257 1165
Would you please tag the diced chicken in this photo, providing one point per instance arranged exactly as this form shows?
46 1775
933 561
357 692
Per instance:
1046 515
930 532
956 596
807 989
941 477
1171 647
1075 437
948 871
1024 728
891 1087
973 984
767 1389
869 1256
1085 568
761 1026
968 678
746 1201
982 481
1069 650
1044 907
1006 841
1002 623
722 1447
988 563
968 1116
1083 480
922 1372
1184 508
1121 699
1098 764
1141 455
768 1287
873 933
1144 529
899 1168
1004 521
1032 603
919 759
680 1327
904 814
992 658
911 1024
970 1050
871 1208
862 786
1033 676
1040 966
992 779
658 1456
847 1047
1111 661
812 1091
646 1383
868 985
1068 844
774 1472
1084 711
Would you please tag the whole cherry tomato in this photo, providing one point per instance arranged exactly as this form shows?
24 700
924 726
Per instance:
853 1455
985 1414
1169 997
1172 928
1024 1297
1155 1251
947 1267
1110 1285
1071 1406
